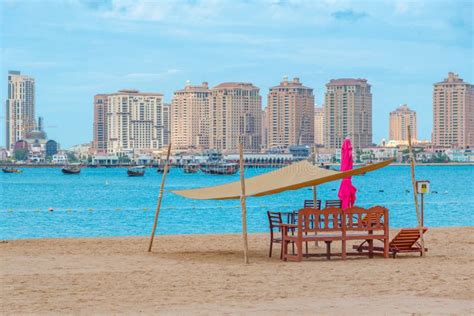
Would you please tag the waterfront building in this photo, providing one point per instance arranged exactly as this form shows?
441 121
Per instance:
99 142
166 124
399 121
190 117
348 113
128 121
20 107
319 126
290 114
235 117
453 113
51 148
265 128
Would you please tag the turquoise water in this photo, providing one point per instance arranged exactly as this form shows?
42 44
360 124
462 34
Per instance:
105 202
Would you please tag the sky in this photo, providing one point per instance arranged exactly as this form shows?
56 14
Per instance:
78 48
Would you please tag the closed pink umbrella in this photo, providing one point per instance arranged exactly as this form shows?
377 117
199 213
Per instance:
347 192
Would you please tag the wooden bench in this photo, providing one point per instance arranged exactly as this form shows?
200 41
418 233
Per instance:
334 224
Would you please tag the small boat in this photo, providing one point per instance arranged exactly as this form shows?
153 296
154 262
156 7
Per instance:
138 171
11 170
71 170
220 168
217 165
191 168
161 169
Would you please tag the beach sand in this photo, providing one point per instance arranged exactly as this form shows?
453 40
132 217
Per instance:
205 274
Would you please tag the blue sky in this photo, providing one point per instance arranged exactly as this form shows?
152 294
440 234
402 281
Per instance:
78 48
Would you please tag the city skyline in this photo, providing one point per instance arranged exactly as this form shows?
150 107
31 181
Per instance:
335 39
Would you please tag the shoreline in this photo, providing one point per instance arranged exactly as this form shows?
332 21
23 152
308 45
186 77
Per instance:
395 164
205 274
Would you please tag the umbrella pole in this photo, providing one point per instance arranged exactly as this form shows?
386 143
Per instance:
415 194
160 197
315 161
242 204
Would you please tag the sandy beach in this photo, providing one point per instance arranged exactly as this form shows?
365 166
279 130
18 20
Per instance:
205 274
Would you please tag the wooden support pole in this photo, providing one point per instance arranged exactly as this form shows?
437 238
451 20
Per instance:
415 194
315 190
242 204
160 197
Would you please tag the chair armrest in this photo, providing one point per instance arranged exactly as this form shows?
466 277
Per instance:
288 225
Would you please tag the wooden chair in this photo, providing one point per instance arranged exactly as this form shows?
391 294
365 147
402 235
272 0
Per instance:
333 203
405 241
274 219
310 203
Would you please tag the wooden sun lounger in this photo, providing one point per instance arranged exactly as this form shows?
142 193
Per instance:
405 241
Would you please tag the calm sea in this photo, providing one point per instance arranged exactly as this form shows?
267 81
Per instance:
105 202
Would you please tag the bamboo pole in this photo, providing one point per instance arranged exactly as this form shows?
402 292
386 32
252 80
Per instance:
315 189
415 194
160 197
242 204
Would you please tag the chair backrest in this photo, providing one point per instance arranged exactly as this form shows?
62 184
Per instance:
274 219
333 203
360 219
310 203
314 220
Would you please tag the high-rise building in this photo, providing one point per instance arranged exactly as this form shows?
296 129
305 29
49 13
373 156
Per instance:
99 142
235 117
453 113
265 128
319 126
400 119
166 123
190 117
348 113
20 107
128 121
290 114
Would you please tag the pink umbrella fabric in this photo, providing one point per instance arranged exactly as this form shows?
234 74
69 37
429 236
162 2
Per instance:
347 192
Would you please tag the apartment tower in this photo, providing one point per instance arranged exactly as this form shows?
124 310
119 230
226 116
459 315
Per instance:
128 121
400 119
348 113
235 117
290 114
319 126
453 113
20 107
190 117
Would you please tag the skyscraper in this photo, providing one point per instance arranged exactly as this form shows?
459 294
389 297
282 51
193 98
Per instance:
400 119
319 125
190 117
265 128
128 121
99 142
20 107
453 113
348 113
235 117
166 124
290 114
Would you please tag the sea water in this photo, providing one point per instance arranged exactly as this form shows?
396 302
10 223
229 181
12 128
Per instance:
106 202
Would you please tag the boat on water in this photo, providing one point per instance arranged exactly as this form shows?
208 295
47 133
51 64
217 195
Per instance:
161 169
217 165
71 170
138 171
191 168
221 168
11 170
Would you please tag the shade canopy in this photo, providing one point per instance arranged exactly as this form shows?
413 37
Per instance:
295 176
